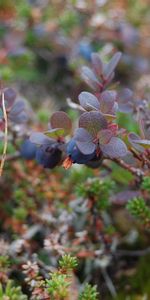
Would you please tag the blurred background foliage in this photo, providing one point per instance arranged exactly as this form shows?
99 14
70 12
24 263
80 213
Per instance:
43 44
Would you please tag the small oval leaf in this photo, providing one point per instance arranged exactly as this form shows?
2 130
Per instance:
97 64
115 148
90 78
88 101
60 120
93 122
110 67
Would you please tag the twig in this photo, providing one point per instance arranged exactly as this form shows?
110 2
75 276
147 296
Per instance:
135 171
11 157
5 135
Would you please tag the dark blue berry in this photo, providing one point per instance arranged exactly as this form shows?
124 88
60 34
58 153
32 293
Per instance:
76 155
28 150
48 157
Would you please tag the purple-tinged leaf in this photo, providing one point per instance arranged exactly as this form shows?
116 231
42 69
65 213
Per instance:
107 100
93 122
88 101
110 67
86 147
97 64
104 136
40 138
17 108
84 141
55 133
9 97
60 120
90 78
19 118
115 148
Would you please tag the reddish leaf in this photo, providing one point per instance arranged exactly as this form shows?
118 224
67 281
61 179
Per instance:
60 120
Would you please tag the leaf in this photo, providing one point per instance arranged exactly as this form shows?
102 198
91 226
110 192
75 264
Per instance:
110 67
17 107
144 143
55 133
107 100
93 122
110 117
84 141
39 138
125 108
134 140
90 78
19 118
124 101
97 64
104 136
9 97
60 120
115 148
88 101
125 95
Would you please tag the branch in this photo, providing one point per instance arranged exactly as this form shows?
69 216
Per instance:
135 171
11 157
